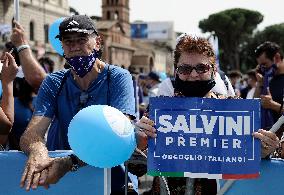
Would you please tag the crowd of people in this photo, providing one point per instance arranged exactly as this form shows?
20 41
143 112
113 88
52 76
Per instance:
38 104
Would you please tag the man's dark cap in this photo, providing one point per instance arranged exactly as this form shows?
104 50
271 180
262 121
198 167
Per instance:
77 23
154 76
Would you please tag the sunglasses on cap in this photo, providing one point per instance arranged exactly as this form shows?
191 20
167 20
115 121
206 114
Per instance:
187 69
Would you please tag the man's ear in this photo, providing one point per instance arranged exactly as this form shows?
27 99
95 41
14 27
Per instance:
277 58
98 41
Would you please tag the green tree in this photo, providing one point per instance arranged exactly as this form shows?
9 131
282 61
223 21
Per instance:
232 27
273 33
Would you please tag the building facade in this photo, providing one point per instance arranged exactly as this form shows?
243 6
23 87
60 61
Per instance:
119 45
36 16
123 49
114 27
162 37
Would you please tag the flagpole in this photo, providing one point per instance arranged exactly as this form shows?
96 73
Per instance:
17 10
278 124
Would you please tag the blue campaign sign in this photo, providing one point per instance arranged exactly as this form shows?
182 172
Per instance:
204 138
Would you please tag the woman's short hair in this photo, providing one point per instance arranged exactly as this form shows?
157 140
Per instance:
192 44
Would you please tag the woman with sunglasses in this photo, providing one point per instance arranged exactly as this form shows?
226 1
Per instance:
195 69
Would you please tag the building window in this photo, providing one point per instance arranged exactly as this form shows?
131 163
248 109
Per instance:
116 2
151 64
107 2
108 15
116 15
112 2
46 27
32 26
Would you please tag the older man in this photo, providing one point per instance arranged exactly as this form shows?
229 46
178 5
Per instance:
62 94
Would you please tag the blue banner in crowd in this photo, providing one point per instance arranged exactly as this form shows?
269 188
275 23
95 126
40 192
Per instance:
269 182
204 138
87 180
139 30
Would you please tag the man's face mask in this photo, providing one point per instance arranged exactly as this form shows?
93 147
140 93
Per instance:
83 64
262 69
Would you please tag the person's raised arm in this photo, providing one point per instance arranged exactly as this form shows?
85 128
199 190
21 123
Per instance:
8 74
34 73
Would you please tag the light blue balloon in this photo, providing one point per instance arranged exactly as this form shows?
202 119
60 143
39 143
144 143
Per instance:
101 136
163 75
52 33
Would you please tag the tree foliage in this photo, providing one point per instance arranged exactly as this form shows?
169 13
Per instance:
232 27
273 33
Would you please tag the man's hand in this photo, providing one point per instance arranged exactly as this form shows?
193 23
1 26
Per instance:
266 100
259 77
59 167
34 170
269 141
18 36
268 103
280 67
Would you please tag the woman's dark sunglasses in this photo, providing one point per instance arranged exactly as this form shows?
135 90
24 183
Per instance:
187 69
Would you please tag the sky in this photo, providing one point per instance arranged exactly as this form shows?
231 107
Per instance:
186 14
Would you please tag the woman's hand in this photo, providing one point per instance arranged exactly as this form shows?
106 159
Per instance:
59 167
144 128
269 141
9 69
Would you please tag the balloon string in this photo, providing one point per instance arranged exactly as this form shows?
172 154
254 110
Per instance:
163 178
